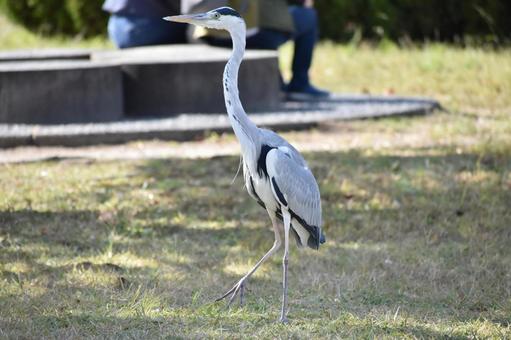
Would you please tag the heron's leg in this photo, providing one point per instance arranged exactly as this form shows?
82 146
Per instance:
239 287
287 226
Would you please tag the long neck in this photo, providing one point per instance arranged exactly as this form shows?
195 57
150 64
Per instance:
246 131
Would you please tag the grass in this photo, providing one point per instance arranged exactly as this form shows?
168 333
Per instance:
13 36
418 246
417 217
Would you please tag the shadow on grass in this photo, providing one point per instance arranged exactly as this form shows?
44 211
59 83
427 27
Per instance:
87 325
427 233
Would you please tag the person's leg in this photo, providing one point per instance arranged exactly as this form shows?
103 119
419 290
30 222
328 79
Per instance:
173 34
267 39
305 37
118 29
264 39
132 31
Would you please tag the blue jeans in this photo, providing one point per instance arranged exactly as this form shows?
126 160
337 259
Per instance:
131 31
304 37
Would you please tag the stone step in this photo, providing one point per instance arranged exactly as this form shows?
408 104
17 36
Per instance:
169 80
80 86
59 92
291 115
45 54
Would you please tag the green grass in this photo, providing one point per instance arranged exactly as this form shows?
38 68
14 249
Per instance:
418 246
13 36
417 217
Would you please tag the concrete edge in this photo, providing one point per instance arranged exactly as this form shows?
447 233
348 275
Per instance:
175 130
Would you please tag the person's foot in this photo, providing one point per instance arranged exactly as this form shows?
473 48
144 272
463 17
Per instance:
304 94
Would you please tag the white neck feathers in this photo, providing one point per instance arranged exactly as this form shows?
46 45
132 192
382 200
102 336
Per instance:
246 131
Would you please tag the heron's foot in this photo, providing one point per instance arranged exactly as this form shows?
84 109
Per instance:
283 319
238 289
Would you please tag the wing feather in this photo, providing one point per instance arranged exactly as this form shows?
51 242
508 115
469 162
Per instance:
295 187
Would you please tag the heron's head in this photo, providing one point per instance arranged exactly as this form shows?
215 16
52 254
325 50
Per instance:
221 18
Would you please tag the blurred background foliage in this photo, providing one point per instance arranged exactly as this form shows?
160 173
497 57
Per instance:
481 21
58 17
459 21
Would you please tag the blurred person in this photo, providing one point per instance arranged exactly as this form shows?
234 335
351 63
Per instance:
139 22
271 23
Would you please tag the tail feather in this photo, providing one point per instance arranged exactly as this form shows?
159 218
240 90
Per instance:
316 238
322 239
315 234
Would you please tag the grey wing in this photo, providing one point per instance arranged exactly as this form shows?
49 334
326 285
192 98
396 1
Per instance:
296 189
273 139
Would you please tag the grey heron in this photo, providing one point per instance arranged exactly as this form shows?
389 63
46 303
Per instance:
275 173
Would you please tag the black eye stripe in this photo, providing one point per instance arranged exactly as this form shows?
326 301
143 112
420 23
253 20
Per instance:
228 11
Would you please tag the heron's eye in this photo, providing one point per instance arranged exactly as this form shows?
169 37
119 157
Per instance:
216 15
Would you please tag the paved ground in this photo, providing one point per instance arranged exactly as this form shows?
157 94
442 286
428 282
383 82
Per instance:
292 115
327 137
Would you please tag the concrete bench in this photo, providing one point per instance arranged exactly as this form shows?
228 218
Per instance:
57 92
167 80
45 54
81 86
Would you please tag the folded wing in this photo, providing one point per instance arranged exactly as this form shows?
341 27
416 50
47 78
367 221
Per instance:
296 189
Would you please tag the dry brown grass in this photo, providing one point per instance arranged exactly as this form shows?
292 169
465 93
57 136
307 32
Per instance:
417 216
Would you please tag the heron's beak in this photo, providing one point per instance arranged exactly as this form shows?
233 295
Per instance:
188 18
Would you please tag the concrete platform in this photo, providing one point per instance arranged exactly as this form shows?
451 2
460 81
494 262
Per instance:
169 80
79 86
45 54
55 92
291 115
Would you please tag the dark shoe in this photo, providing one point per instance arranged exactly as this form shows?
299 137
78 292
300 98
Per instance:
306 94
